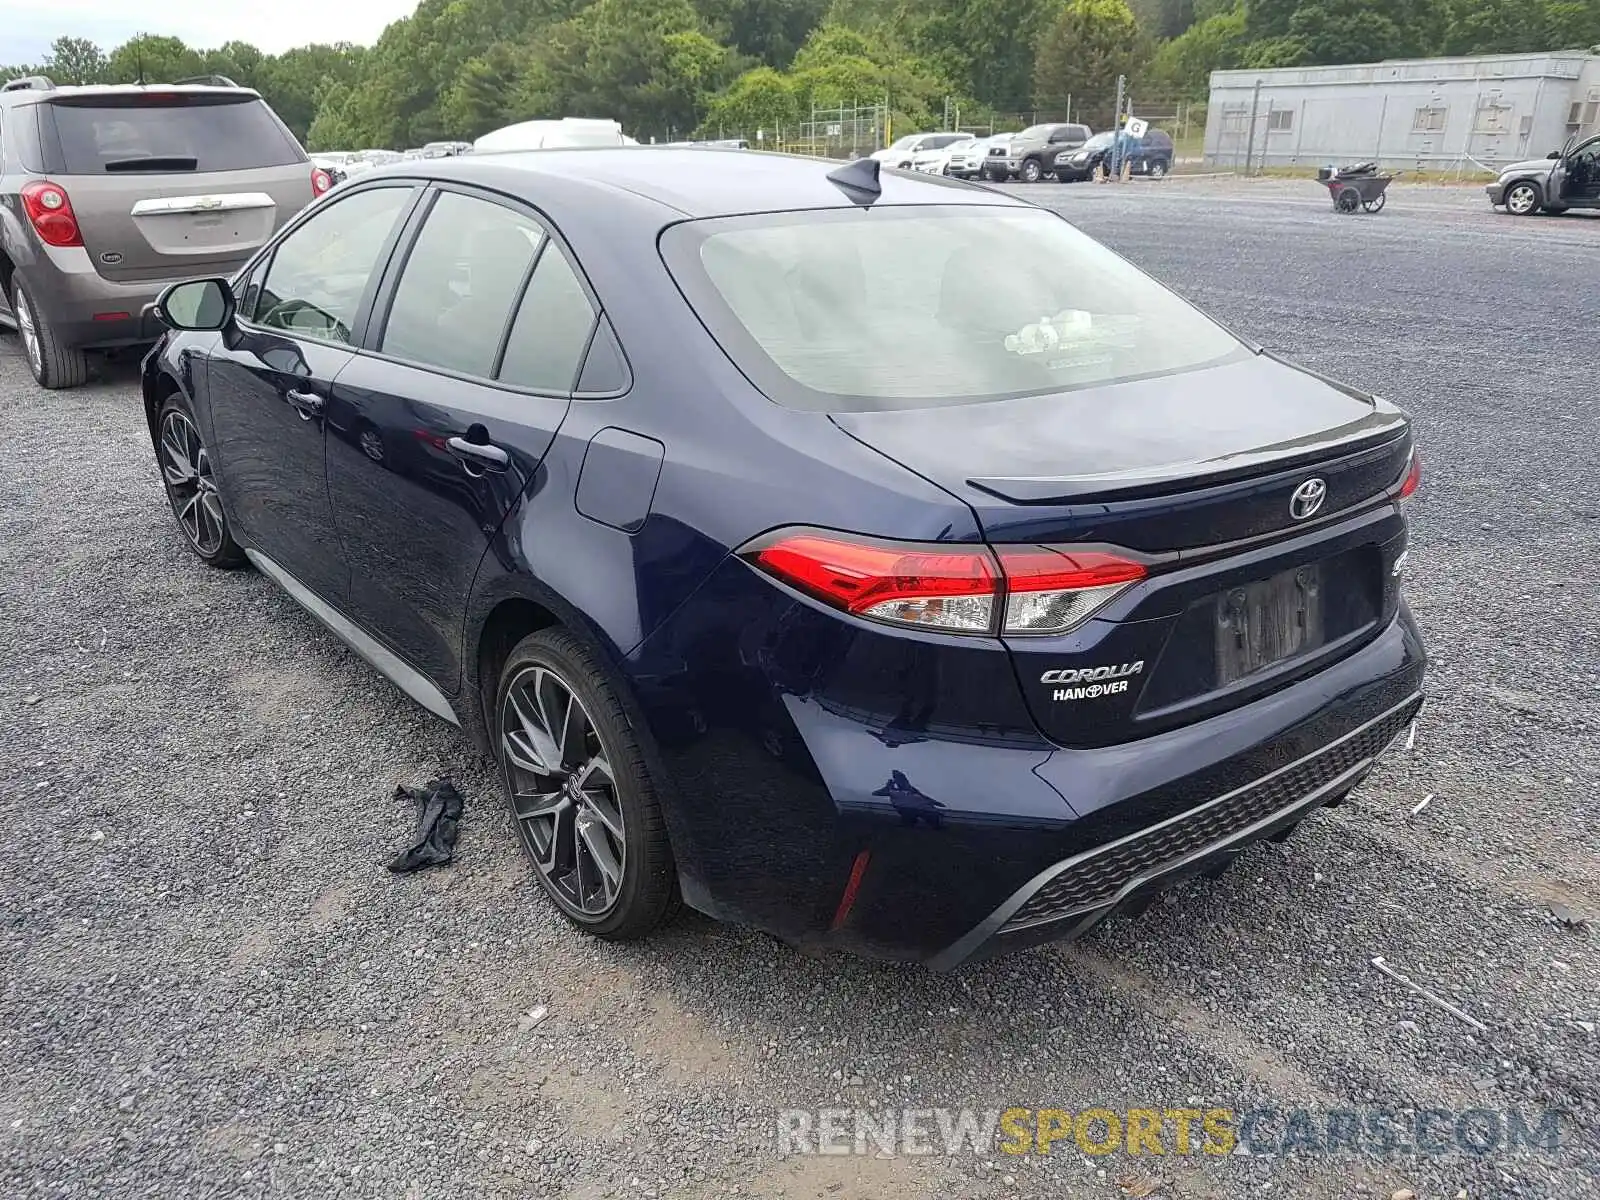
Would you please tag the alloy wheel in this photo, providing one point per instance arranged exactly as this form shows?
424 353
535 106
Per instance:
563 792
186 467
28 328
1521 200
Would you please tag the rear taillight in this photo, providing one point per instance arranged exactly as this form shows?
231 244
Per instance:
1016 590
945 587
321 181
1050 589
1413 479
50 213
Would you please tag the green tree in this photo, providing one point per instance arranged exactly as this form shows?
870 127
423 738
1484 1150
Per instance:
153 60
477 101
1183 66
1348 31
768 30
76 60
987 48
761 99
1083 51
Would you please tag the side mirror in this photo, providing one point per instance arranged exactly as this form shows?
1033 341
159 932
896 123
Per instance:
1554 154
197 305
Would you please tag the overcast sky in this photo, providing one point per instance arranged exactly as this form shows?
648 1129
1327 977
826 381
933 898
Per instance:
27 27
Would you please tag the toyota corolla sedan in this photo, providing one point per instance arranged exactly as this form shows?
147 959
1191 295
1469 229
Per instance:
785 573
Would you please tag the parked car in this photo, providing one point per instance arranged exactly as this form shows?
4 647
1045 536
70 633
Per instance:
109 193
1568 178
783 567
334 165
902 152
552 135
1031 154
445 149
1150 155
967 160
934 160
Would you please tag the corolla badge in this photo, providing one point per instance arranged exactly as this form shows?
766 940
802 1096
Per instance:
1307 498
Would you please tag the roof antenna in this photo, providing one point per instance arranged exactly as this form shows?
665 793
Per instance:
858 180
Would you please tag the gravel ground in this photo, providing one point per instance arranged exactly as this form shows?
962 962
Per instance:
211 986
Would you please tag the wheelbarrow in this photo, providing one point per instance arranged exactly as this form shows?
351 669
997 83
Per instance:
1356 187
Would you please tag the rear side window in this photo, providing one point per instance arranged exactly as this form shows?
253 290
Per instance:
552 328
165 133
872 309
460 284
320 272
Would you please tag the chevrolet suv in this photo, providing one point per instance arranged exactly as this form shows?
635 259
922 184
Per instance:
108 194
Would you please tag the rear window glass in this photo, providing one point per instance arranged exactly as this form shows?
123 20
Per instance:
889 308
233 135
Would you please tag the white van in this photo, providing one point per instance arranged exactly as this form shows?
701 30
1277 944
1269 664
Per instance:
551 135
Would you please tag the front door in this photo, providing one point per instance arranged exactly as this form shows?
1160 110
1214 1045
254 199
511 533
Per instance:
271 374
1581 175
439 426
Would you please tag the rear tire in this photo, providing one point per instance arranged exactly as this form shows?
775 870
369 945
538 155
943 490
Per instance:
1524 198
53 364
562 835
1158 169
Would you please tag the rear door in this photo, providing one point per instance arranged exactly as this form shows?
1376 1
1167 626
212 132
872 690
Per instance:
168 185
440 425
270 376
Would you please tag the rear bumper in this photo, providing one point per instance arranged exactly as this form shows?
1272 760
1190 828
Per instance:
86 310
941 828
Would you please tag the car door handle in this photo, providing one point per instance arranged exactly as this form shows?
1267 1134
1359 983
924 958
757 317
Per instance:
308 404
482 455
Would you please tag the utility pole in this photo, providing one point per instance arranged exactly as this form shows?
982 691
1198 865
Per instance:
1116 128
1250 142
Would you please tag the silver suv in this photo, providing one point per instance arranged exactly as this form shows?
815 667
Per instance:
108 194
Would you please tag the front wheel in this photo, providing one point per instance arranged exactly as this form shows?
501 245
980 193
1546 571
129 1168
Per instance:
1158 169
192 488
1524 199
1032 171
580 794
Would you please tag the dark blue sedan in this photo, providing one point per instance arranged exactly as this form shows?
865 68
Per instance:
788 565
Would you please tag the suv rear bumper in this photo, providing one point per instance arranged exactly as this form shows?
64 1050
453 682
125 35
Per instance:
87 311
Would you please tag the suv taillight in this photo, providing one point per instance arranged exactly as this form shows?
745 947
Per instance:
1413 478
321 181
50 213
1016 590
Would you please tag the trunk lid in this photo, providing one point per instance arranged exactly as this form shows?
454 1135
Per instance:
169 184
1192 475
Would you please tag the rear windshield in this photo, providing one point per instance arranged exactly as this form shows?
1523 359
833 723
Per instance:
168 134
888 308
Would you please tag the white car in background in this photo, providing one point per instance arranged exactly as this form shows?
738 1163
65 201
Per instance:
934 161
902 151
553 135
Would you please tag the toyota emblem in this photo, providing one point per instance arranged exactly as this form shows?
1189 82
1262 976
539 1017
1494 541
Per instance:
1307 498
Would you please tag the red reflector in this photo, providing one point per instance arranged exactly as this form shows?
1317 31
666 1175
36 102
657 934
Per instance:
1413 476
853 885
113 316
859 575
1043 569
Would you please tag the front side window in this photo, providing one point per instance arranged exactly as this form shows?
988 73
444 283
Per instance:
320 272
460 284
859 310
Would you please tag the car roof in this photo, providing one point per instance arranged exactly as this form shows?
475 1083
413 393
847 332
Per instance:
694 181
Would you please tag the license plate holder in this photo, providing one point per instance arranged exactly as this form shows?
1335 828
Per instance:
1263 623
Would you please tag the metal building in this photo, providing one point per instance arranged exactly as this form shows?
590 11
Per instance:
1434 113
